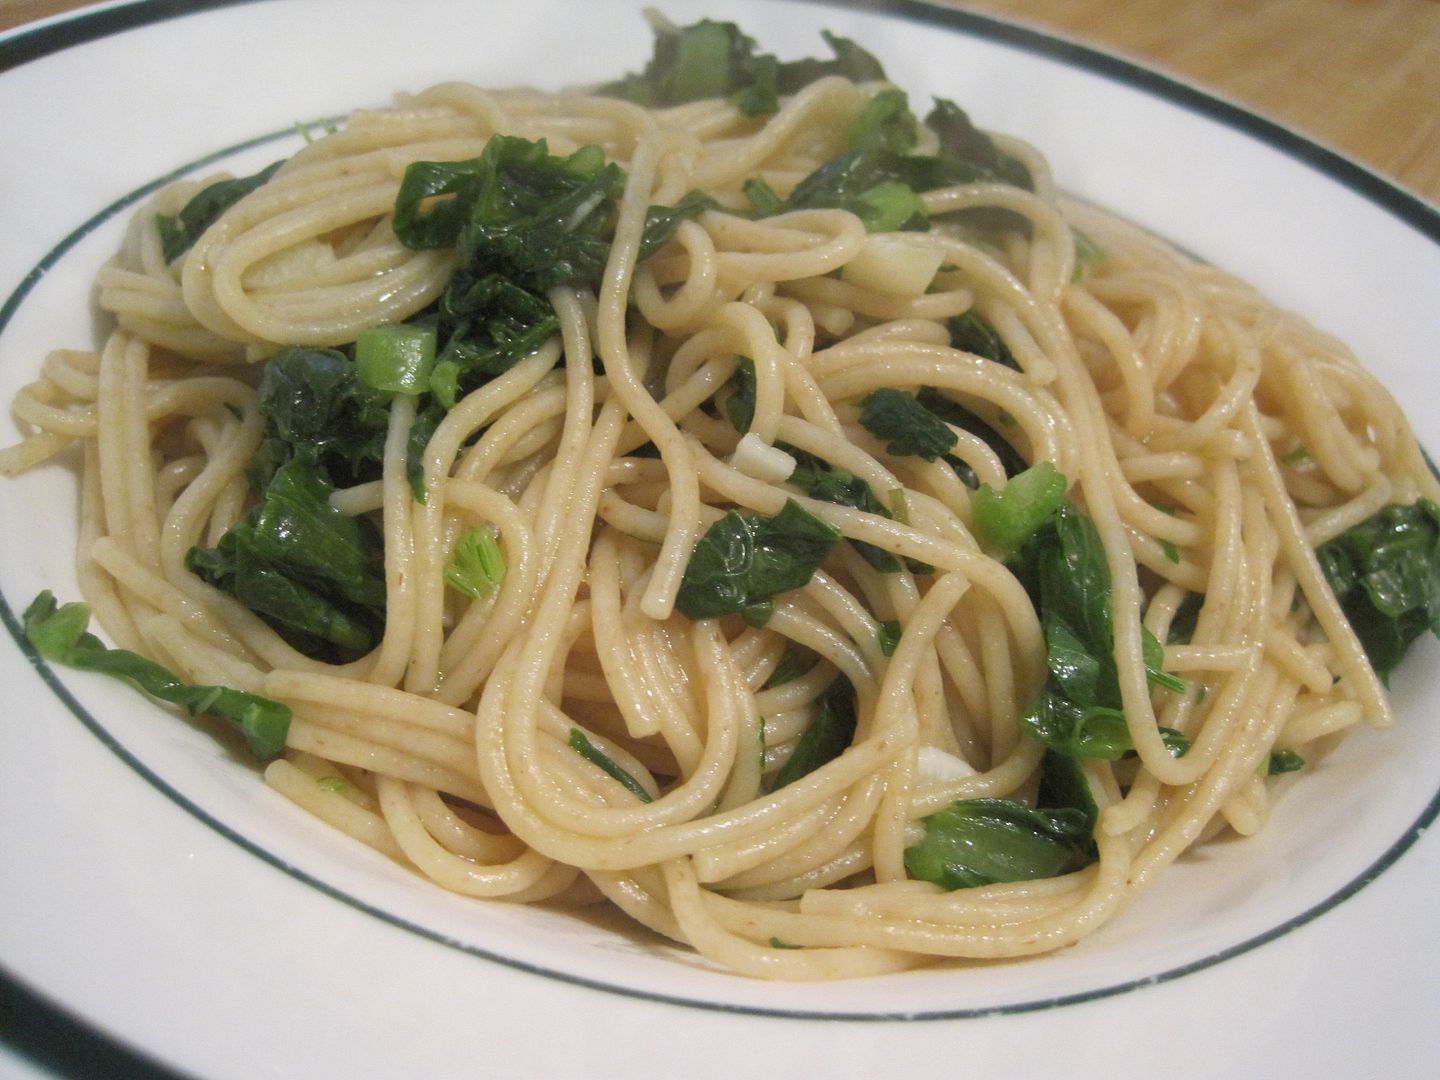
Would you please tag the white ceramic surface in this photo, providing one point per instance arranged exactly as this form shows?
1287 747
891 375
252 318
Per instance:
151 885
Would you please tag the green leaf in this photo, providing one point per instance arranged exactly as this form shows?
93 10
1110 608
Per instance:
953 413
593 754
59 635
179 232
905 426
971 333
763 200
795 661
987 841
888 633
315 402
889 206
1385 572
1283 761
1078 711
662 221
488 325
967 146
314 574
710 59
828 735
740 402
745 560
829 483
885 123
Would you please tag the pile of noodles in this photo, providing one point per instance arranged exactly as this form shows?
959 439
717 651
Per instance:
1173 398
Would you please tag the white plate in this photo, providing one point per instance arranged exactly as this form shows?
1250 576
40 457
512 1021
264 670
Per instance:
153 888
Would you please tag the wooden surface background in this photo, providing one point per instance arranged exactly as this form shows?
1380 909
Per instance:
1359 76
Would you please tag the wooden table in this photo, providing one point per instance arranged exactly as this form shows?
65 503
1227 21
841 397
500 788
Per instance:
1360 76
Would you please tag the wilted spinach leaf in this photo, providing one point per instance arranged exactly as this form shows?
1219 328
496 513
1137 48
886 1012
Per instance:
745 560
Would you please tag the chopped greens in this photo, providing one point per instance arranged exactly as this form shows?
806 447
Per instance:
716 59
524 221
396 358
59 634
1385 572
315 402
1078 712
828 735
795 661
888 633
745 560
987 841
477 566
904 425
973 334
1282 761
178 232
740 402
919 425
829 483
537 219
879 180
957 415
885 123
1007 517
582 745
314 574
488 325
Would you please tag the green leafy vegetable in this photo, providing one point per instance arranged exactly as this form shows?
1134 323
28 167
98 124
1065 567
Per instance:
795 661
888 634
593 754
178 232
715 59
1007 517
821 480
969 148
832 730
1182 625
59 635
315 402
537 219
396 358
524 221
1386 574
314 574
1283 761
488 325
764 202
1078 712
880 181
953 413
885 123
973 334
745 560
477 566
740 403
905 426
987 841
